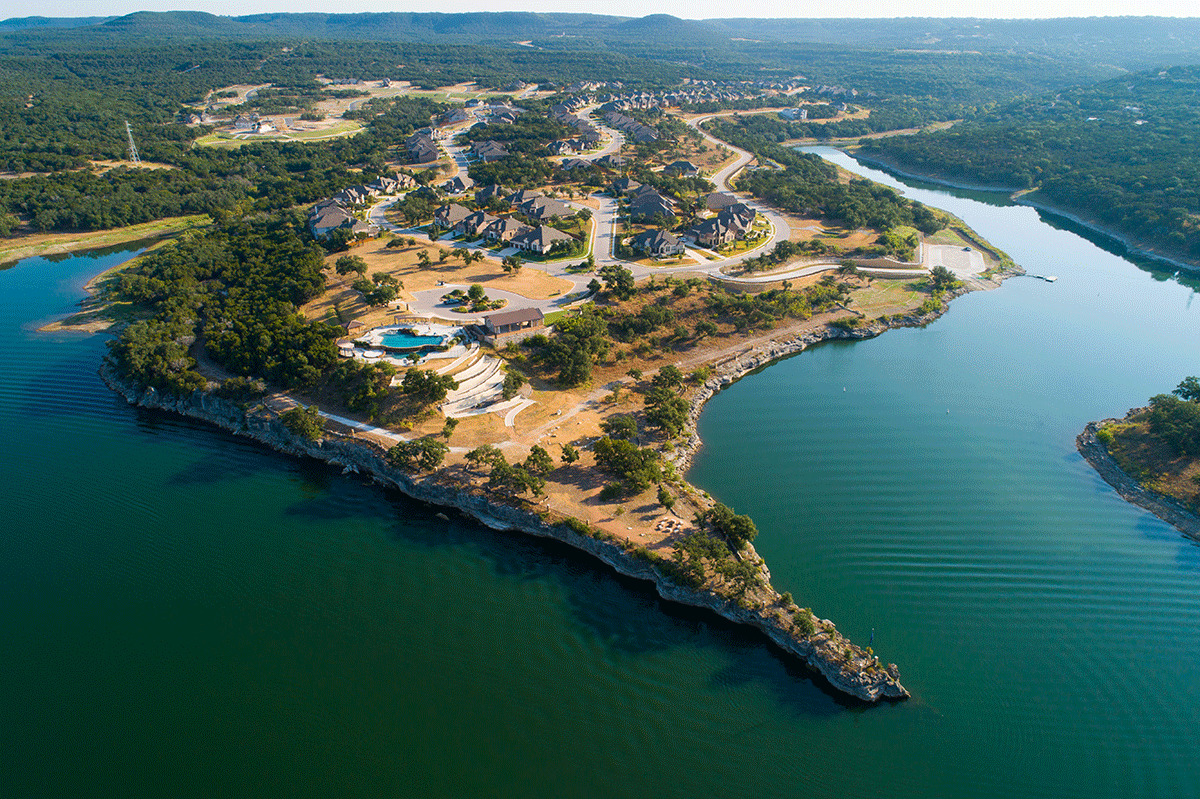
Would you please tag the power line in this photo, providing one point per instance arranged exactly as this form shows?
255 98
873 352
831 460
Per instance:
133 149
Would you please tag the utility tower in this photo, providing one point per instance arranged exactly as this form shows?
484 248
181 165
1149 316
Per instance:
133 153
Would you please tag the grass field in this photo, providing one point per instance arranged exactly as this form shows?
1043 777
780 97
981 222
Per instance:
225 139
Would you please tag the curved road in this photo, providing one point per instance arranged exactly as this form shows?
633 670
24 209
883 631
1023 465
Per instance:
604 233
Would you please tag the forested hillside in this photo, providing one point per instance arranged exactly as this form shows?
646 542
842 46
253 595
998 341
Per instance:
1123 152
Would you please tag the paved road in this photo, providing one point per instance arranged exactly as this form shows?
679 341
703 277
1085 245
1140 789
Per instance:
605 231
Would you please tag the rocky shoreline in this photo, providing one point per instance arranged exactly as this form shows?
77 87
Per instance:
823 652
1164 507
1134 247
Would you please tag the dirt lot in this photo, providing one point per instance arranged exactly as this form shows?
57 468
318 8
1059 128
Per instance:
402 263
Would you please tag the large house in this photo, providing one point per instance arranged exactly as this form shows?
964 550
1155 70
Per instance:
716 231
513 325
488 151
683 169
488 192
544 208
651 205
539 239
475 224
658 243
504 230
330 215
448 216
422 149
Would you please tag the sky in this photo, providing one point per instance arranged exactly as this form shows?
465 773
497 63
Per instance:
688 9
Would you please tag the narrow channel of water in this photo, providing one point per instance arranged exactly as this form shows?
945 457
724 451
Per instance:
183 613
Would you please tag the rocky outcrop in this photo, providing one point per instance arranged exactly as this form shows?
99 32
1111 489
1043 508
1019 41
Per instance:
847 668
1162 506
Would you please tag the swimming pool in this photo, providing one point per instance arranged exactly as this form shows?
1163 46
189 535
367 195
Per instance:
408 340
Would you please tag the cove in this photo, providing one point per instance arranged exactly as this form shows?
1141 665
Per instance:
926 484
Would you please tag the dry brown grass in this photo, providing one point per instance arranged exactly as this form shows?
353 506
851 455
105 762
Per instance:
1146 458
402 263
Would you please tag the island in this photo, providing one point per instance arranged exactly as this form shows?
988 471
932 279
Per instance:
1152 456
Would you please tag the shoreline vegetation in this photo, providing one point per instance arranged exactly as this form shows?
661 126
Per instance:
1028 198
1152 456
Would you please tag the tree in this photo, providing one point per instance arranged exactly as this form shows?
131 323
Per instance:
423 258
448 427
513 380
669 377
539 461
620 426
511 264
427 387
484 454
350 263
635 373
666 410
638 468
666 498
739 530
303 422
463 253
424 454
1188 390
594 285
942 278
569 454
476 293
618 281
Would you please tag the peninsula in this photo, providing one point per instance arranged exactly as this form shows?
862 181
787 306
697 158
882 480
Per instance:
527 388
1152 456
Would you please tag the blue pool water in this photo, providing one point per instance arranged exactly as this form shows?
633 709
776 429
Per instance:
406 340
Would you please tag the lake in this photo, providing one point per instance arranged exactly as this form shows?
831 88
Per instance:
184 613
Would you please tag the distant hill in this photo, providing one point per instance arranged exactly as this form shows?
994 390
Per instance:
1124 42
25 23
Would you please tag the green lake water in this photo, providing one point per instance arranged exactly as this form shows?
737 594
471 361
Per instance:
184 613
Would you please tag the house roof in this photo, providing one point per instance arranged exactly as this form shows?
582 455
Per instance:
519 316
453 213
542 237
654 239
719 200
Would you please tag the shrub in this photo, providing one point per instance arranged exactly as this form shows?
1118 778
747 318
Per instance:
303 422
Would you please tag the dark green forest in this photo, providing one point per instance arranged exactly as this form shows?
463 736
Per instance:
1124 152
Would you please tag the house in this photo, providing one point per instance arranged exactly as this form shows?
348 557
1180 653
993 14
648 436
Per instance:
262 126
422 149
504 230
405 181
513 325
611 161
455 186
474 224
795 114
488 192
448 216
323 221
574 163
384 185
562 147
683 169
719 201
651 205
714 232
521 197
488 151
539 239
658 243
625 185
454 116
739 214
544 208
